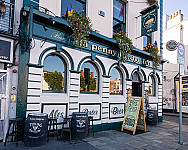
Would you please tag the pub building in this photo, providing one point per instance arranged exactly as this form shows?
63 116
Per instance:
58 78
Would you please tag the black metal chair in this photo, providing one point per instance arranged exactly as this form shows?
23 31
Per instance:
90 124
14 133
66 126
52 122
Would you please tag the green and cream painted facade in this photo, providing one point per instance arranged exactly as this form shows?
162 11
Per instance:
102 51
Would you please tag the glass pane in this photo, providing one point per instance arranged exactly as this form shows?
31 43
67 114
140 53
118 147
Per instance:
136 77
151 90
53 75
118 11
118 26
67 5
115 82
88 78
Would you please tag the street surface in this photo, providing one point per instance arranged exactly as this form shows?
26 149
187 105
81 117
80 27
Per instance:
164 136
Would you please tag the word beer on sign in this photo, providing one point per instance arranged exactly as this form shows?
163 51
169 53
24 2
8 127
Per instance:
134 115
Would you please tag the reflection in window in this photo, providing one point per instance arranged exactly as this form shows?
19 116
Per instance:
136 77
89 78
147 40
53 74
151 86
76 5
118 16
115 82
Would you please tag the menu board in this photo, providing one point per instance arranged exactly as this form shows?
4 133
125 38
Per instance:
134 115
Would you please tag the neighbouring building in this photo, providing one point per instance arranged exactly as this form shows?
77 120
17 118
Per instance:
175 29
9 52
54 75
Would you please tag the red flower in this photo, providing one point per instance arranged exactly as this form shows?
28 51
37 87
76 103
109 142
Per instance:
86 17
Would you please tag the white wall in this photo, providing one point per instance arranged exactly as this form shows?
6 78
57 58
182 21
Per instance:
52 5
102 24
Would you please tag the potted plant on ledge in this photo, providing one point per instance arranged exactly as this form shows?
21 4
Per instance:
125 44
153 50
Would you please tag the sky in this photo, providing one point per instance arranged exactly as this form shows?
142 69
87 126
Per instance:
172 6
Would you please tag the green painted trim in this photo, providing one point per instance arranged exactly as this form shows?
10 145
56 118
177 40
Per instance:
88 92
73 108
33 95
108 126
128 79
52 91
75 84
73 96
33 103
35 65
58 54
91 104
74 78
105 76
159 81
97 60
142 71
34 81
160 118
36 74
42 106
33 88
75 71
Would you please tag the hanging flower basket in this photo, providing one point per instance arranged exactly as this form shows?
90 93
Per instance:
2 7
124 43
156 59
80 25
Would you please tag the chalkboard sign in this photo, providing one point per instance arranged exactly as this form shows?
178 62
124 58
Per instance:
134 115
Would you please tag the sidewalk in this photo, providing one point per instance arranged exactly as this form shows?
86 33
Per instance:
164 136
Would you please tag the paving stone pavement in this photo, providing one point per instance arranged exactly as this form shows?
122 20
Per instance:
164 136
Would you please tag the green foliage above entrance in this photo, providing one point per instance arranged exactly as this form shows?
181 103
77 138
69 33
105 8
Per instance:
125 44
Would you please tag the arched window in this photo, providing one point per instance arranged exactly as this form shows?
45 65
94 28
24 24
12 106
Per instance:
151 86
136 77
116 82
54 74
89 78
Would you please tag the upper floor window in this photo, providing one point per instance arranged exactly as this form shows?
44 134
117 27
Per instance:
54 75
151 90
89 78
116 82
75 5
118 16
147 40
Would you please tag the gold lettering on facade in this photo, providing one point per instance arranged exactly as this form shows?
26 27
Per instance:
114 53
93 47
99 48
58 35
85 44
104 50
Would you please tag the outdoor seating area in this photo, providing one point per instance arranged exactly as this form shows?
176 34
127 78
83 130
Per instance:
44 129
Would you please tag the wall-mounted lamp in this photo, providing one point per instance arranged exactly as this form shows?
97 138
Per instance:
24 13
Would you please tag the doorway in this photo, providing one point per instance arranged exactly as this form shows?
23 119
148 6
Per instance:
136 85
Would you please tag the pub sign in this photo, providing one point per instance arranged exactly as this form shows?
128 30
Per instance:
149 19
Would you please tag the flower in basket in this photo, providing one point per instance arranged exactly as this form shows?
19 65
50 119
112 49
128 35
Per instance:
80 25
124 43
153 50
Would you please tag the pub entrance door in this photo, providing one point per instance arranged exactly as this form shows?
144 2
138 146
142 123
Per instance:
136 85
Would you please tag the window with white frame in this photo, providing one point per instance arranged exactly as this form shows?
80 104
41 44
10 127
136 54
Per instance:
54 75
89 78
116 84
152 84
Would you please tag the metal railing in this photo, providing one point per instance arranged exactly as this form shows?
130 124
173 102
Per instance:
7 18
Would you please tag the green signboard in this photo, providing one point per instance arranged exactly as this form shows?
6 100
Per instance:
149 20
134 115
